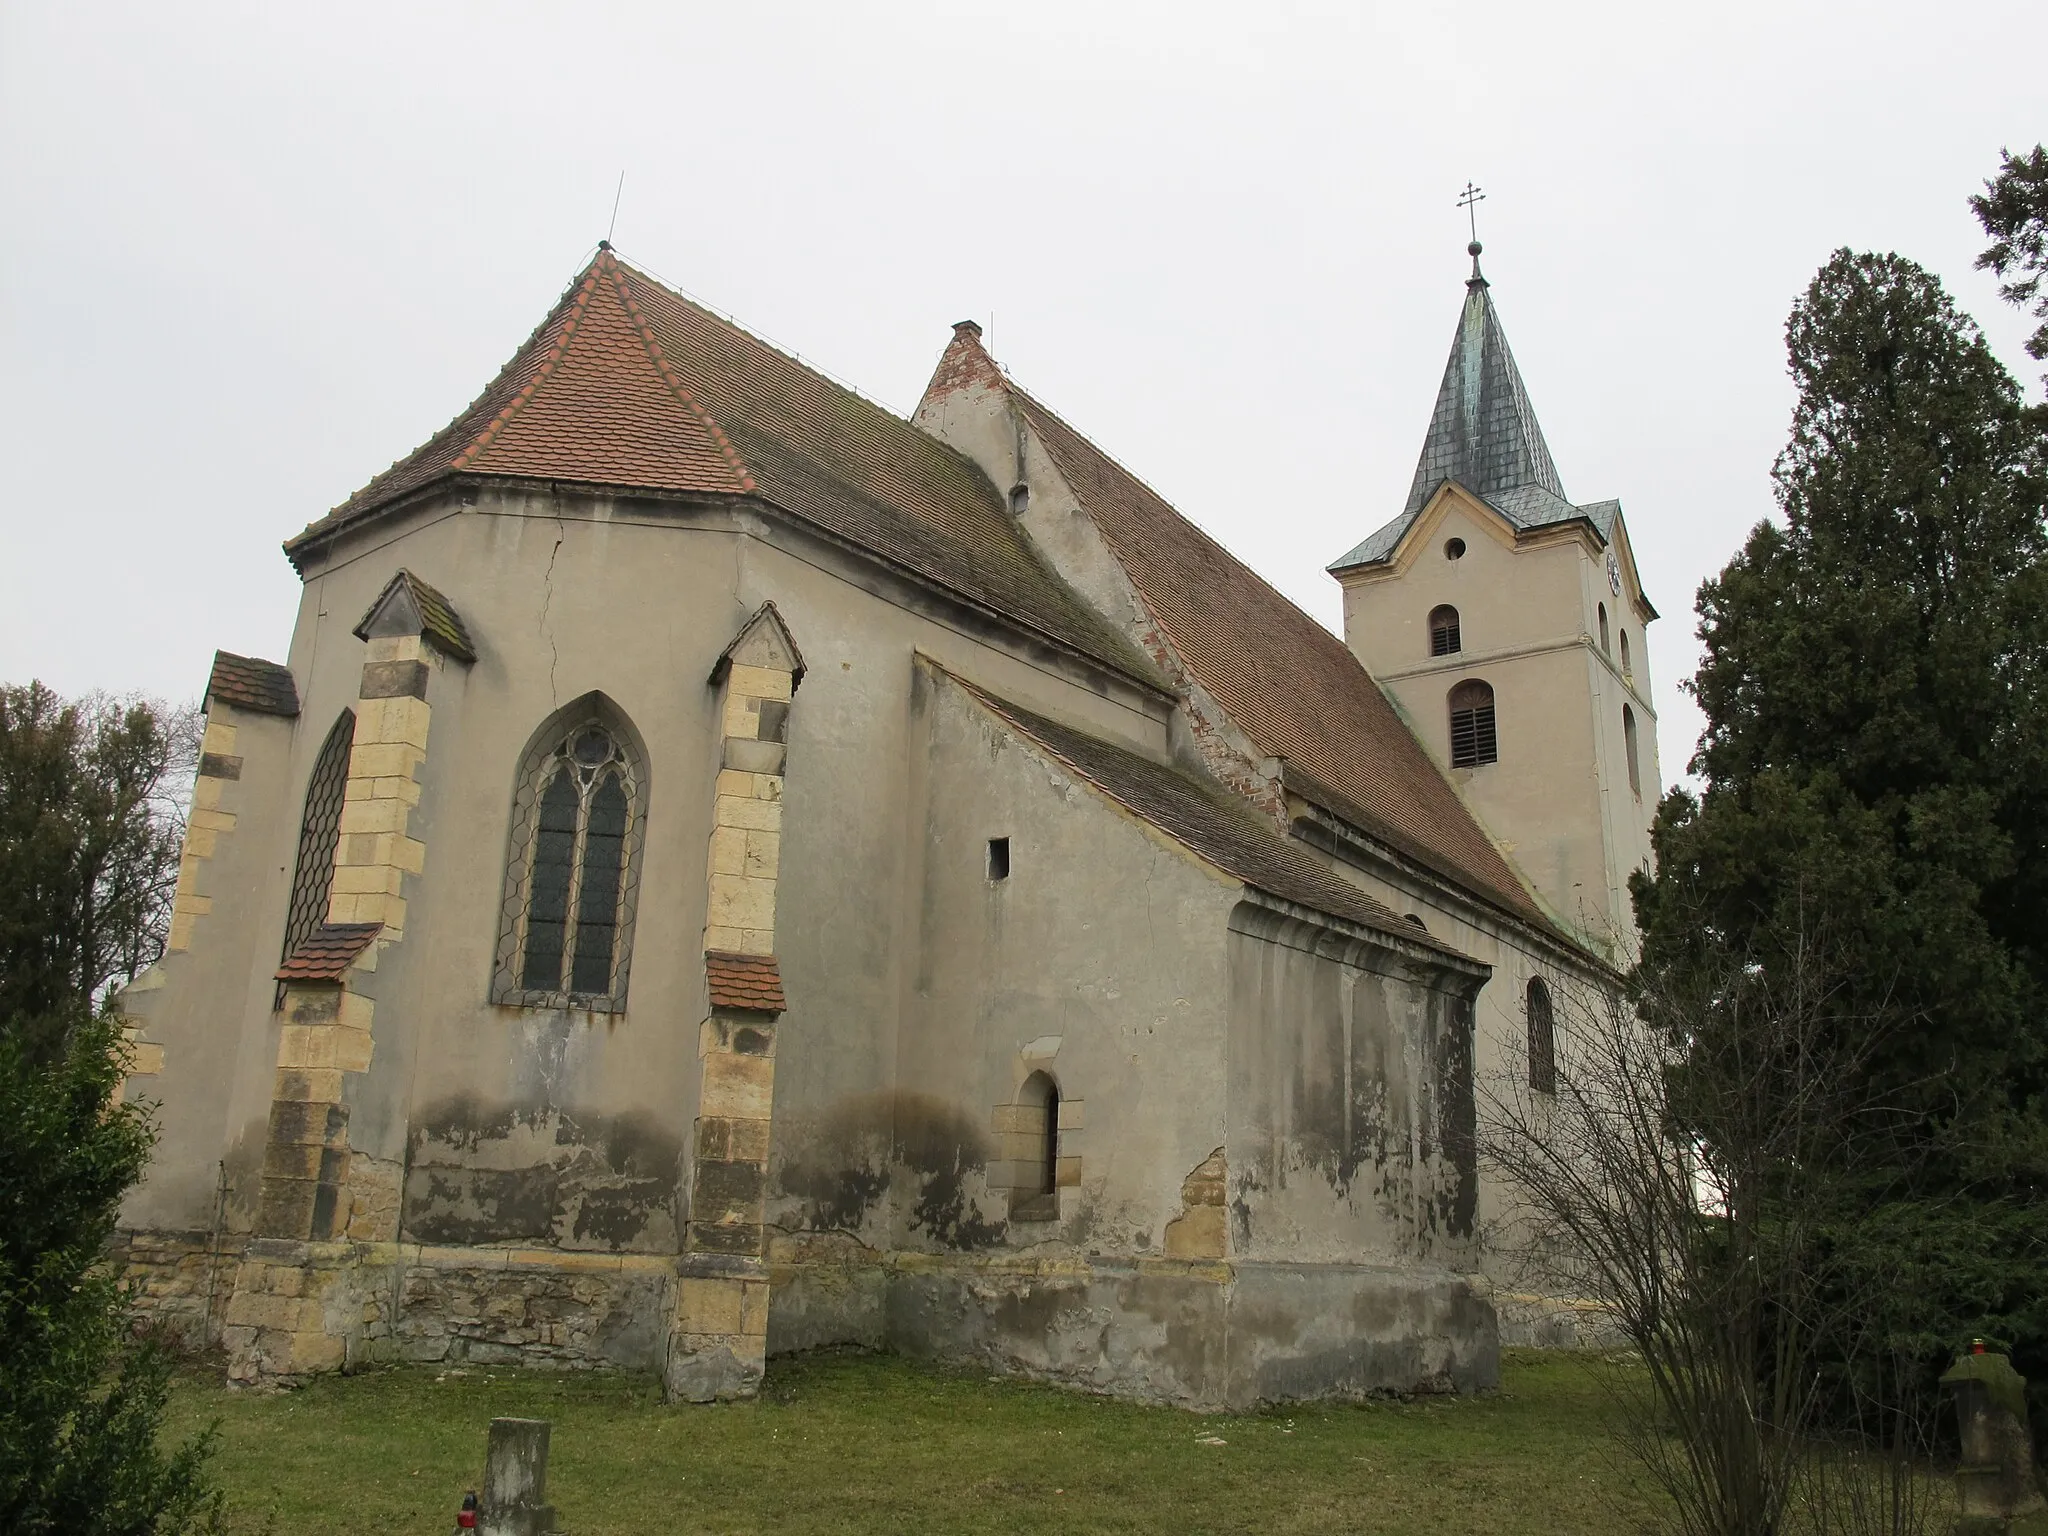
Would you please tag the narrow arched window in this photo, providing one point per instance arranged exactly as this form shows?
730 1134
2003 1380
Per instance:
1626 669
1542 1038
1628 744
1603 631
578 813
319 833
1443 631
1035 1176
1472 733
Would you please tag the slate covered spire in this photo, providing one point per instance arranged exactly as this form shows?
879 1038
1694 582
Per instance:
1483 433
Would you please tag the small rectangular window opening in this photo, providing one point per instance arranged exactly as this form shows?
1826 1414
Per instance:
999 858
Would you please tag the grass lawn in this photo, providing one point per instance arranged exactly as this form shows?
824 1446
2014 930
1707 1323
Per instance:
871 1443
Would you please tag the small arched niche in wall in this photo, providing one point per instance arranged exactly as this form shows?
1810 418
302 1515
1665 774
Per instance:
1032 1166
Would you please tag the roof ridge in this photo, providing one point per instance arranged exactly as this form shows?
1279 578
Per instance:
787 354
368 487
731 323
1144 485
512 407
796 359
690 402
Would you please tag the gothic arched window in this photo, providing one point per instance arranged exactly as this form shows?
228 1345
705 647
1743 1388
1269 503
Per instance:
319 832
1443 631
1472 734
565 932
1628 742
1542 1039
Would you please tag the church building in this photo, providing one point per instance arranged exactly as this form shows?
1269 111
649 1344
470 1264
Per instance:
722 869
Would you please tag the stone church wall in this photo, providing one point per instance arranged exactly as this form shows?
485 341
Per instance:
534 1160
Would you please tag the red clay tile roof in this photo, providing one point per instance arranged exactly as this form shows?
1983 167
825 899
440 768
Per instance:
328 952
1201 814
628 384
749 982
250 683
1289 684
438 618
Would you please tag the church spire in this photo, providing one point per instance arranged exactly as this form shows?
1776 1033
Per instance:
1483 433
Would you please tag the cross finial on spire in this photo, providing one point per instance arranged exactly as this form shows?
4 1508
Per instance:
1469 200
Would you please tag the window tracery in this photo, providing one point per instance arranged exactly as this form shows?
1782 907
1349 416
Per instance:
566 927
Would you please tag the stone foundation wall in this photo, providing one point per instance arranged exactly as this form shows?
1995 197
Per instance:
1530 1321
555 1311
1201 1334
285 1309
182 1280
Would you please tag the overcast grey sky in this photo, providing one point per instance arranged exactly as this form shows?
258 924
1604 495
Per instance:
252 253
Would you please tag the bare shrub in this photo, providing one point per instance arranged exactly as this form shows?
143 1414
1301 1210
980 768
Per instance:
1705 1137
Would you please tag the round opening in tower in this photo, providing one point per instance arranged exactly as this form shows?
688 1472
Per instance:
1455 550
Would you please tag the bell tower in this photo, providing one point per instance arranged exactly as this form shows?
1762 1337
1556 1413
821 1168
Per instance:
1506 623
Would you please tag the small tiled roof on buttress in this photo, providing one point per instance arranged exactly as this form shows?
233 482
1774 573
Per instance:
438 619
629 385
248 682
328 951
749 983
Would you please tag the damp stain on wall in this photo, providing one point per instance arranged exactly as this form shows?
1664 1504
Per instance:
494 1173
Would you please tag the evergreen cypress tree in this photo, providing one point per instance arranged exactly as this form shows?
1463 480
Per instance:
1876 761
2013 208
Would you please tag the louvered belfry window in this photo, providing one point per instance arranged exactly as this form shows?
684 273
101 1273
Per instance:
1444 639
319 831
566 927
1472 733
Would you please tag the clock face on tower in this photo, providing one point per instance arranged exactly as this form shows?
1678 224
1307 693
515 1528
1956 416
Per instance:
1614 572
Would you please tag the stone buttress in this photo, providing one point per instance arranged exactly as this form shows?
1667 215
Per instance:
296 1307
718 1342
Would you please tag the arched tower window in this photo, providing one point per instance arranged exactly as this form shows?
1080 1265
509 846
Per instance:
1472 733
1542 1038
1444 639
565 932
1603 631
319 832
1626 669
1628 743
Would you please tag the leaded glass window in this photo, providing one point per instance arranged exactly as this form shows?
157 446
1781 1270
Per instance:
319 832
565 931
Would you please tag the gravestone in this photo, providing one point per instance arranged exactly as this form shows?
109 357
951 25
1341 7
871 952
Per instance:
516 1480
2001 1495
